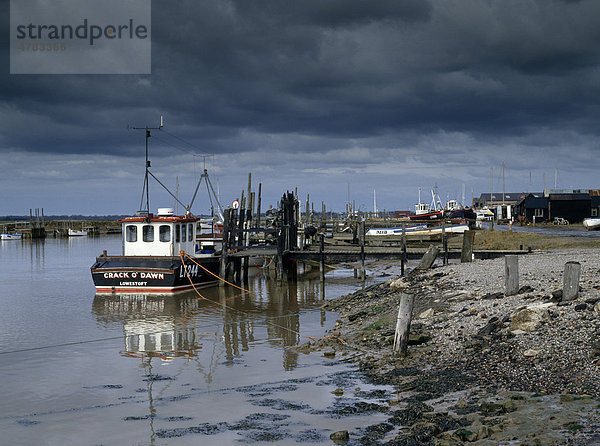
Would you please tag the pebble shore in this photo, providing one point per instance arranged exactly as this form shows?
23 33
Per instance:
482 367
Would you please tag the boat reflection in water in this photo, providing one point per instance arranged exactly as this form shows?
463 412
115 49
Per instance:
217 324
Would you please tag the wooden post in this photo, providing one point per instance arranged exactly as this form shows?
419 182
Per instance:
403 323
249 188
403 261
361 235
571 280
245 270
466 254
511 275
444 242
307 209
258 206
429 257
251 209
225 248
322 255
279 235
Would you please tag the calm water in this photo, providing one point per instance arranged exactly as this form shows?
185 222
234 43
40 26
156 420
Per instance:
79 369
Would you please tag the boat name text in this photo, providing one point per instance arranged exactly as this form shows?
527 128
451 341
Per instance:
134 275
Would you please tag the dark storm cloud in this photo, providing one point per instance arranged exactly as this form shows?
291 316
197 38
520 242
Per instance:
329 69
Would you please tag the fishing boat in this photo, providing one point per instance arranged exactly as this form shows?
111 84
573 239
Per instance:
159 256
160 252
591 224
462 214
425 212
10 236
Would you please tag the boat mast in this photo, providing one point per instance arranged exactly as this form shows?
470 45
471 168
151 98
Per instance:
145 188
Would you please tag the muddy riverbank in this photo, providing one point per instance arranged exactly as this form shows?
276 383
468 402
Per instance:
483 368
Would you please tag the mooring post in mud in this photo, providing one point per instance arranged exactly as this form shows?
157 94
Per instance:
403 260
245 268
511 275
225 246
571 280
444 242
405 309
429 257
279 235
361 238
466 255
290 211
322 255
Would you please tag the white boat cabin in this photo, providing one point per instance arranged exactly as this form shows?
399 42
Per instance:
421 208
162 235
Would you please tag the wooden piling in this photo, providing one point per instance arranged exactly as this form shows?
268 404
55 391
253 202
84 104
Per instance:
361 235
466 255
403 323
280 238
444 243
322 255
429 257
258 206
403 260
571 280
225 247
511 275
307 209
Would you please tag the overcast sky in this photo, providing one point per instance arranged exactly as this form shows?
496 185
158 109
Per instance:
328 96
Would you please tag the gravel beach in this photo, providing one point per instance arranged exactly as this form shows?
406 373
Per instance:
482 367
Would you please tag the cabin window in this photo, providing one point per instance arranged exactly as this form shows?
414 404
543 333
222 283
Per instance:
190 232
183 236
164 233
131 233
539 212
177 233
148 233
594 212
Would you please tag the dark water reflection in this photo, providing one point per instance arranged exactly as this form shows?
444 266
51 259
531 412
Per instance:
135 369
171 326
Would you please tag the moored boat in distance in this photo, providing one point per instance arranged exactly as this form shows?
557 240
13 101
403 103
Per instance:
425 212
421 230
76 233
10 236
591 224
395 231
159 256
462 214
484 214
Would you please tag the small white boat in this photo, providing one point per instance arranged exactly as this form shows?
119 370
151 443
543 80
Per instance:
591 224
10 236
395 231
75 233
420 230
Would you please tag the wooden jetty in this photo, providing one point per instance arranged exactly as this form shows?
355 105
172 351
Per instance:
34 228
289 237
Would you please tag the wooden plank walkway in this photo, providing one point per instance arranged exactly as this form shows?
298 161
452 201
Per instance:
350 254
